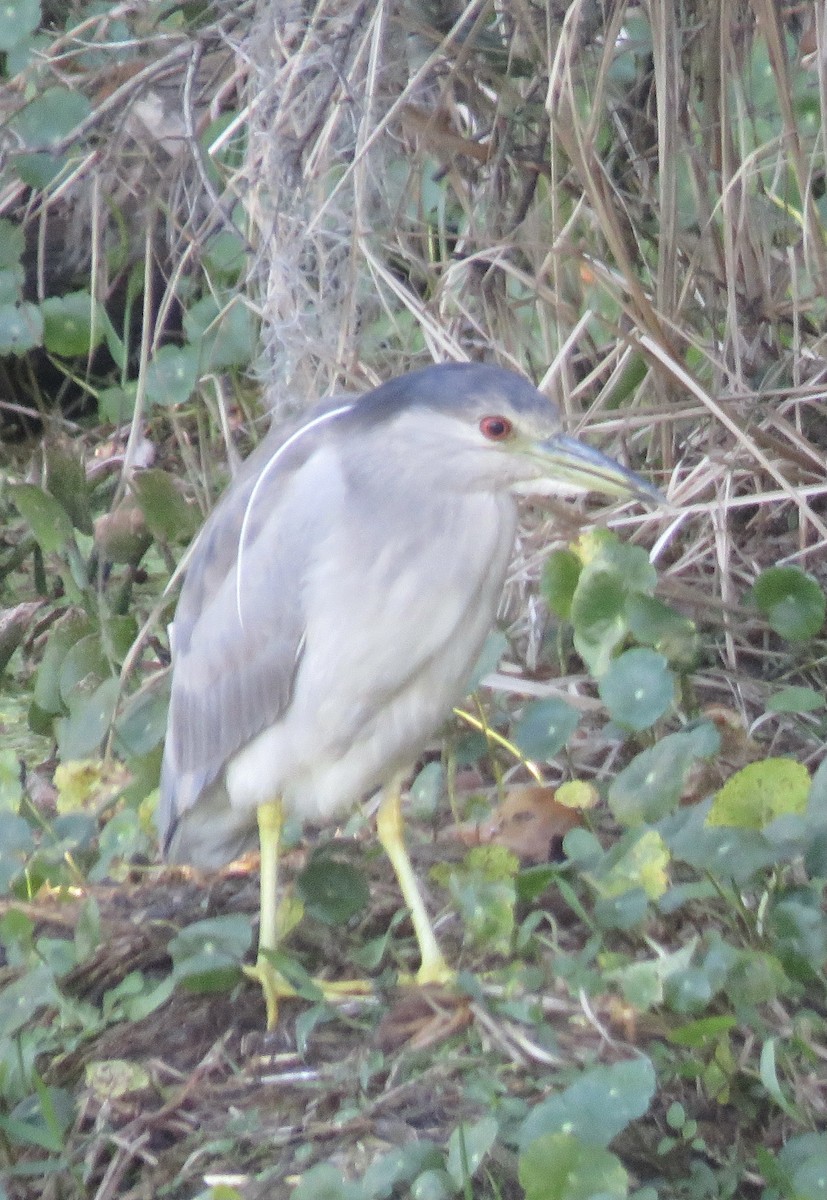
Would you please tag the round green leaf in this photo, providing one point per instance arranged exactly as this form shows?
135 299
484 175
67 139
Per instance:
61 639
68 325
332 890
638 688
50 117
207 955
325 1182
651 785
544 727
792 602
21 328
656 624
172 375
494 648
142 723
561 1167
225 336
760 792
18 18
81 733
597 1106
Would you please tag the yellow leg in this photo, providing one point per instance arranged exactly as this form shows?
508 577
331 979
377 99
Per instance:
273 985
272 982
389 828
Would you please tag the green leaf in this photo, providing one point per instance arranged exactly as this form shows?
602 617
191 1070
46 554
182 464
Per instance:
769 1078
559 1166
226 337
84 666
48 519
736 855
652 784
704 1032
117 404
12 238
544 727
484 890
172 375
598 614
638 688
11 786
142 723
18 844
804 1161
601 549
168 515
72 324
66 481
21 1000
90 716
63 636
433 1184
560 576
400 1167
656 624
796 700
122 838
331 889
642 866
468 1147
792 602
21 328
597 1106
760 792
225 255
325 1182
800 933
207 955
50 117
11 288
18 18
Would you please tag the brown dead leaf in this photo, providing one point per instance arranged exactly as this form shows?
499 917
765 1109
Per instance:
531 822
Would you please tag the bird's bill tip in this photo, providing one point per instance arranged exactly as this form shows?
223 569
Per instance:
573 462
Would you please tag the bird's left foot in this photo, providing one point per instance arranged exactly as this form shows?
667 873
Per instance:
273 985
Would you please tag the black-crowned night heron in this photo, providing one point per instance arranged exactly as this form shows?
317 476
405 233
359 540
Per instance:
333 609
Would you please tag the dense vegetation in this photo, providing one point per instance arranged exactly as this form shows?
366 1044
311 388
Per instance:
211 213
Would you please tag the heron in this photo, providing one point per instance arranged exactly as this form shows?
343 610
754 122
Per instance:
333 609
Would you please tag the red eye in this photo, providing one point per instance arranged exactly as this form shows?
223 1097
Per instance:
496 429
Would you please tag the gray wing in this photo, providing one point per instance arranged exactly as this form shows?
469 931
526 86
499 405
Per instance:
233 671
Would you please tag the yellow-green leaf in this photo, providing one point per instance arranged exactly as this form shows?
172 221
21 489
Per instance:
760 792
